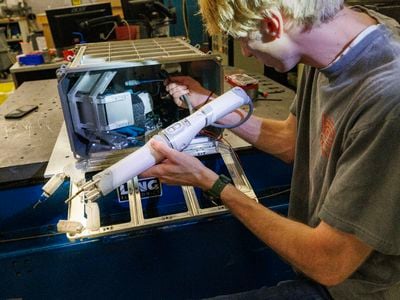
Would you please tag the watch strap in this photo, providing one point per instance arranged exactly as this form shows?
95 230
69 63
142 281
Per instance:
218 186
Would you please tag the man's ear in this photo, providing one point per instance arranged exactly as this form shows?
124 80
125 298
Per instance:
273 25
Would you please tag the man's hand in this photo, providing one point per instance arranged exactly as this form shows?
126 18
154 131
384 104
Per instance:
180 169
184 85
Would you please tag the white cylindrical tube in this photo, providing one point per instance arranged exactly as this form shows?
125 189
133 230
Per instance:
225 104
176 136
181 133
53 184
127 168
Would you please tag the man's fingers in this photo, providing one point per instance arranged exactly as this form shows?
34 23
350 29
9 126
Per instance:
163 149
152 172
178 94
173 85
177 89
159 171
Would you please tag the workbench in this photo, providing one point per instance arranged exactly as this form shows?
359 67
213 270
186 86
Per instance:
27 143
21 73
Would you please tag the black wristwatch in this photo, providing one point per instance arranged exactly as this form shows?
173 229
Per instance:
218 186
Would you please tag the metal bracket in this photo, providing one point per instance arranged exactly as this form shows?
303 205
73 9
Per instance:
78 214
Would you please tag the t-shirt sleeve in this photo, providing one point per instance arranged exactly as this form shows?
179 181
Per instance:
364 198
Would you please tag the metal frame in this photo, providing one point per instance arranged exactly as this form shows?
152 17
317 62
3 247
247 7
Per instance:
76 209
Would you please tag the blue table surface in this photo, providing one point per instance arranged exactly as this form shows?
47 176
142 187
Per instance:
186 260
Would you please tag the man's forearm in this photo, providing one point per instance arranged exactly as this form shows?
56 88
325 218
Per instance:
300 245
272 136
289 239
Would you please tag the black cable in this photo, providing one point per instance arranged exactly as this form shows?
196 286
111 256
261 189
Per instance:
250 112
185 18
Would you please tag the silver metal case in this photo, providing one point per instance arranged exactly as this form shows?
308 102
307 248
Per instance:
112 85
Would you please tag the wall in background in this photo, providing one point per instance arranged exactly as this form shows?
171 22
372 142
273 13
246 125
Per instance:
196 34
41 6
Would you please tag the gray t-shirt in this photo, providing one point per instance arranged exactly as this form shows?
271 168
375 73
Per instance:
347 164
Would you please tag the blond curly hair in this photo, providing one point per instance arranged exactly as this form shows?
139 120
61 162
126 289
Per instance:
239 17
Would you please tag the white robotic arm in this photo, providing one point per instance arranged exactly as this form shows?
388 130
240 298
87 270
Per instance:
177 136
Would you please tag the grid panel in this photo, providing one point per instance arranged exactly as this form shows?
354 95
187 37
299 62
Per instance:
137 50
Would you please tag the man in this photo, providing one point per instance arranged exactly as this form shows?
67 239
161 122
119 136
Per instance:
343 135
